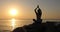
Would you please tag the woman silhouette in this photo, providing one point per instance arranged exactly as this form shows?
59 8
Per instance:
38 14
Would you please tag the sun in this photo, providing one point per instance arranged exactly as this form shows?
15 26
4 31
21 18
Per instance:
13 12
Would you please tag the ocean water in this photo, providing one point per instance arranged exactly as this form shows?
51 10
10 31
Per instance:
12 24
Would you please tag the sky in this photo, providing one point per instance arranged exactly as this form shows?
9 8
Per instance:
25 8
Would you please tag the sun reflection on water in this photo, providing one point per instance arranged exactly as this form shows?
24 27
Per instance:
13 23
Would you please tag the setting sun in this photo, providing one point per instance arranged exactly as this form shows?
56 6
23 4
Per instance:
13 12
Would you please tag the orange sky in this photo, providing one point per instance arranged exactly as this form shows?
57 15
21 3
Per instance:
50 9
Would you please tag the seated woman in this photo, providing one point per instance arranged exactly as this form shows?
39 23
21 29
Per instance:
38 14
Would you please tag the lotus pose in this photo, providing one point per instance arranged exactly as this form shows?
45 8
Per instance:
38 14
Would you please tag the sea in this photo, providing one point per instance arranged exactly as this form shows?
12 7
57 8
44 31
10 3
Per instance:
10 25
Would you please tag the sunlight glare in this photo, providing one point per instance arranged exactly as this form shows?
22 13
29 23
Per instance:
13 12
13 23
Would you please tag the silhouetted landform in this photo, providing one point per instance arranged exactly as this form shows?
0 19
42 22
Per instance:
19 29
38 26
